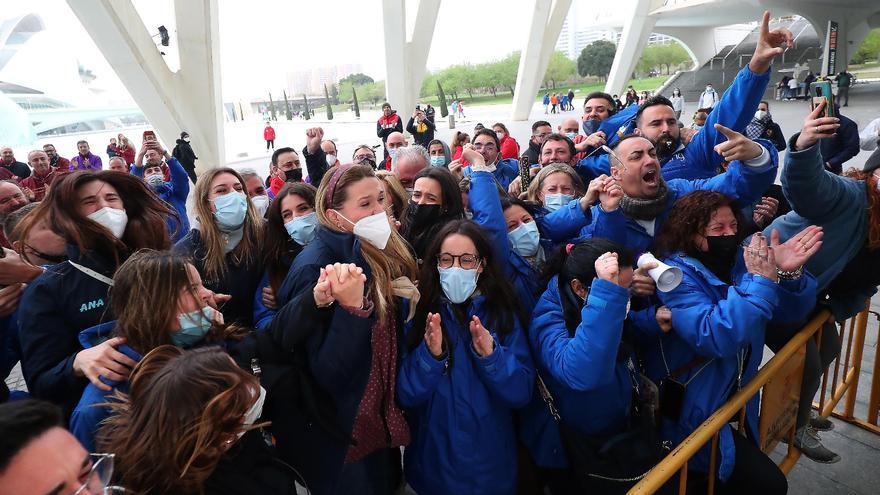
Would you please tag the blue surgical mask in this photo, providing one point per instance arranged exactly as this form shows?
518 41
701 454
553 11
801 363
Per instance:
590 126
571 135
438 161
231 210
392 152
525 239
554 202
302 229
155 180
193 327
458 284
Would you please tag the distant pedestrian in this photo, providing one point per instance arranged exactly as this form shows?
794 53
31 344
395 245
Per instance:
709 98
553 102
546 102
184 154
844 81
112 149
460 110
269 136
571 99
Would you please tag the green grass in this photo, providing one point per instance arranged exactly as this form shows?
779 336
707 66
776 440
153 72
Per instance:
868 75
869 65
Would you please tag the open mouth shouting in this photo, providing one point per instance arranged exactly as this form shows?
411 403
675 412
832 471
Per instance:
651 175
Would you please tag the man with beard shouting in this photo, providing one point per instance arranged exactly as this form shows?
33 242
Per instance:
655 119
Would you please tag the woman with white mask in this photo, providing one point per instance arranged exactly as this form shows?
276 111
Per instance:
341 309
103 216
466 370
226 247
291 224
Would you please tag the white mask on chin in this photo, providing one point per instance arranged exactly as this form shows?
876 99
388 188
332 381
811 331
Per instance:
375 229
113 219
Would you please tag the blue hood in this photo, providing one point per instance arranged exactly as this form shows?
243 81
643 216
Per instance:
98 334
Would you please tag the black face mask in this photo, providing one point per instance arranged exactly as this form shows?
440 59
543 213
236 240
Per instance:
665 146
422 216
591 126
295 175
720 256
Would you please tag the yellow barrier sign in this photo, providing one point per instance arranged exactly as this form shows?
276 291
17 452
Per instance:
779 401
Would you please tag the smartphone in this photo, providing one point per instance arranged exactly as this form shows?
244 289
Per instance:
149 136
821 91
524 174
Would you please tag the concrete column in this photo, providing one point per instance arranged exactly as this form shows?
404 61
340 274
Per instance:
189 99
853 27
636 30
405 61
547 20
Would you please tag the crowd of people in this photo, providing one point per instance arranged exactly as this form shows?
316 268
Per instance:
464 317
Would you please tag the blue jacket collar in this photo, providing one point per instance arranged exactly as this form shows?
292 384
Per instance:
343 245
93 336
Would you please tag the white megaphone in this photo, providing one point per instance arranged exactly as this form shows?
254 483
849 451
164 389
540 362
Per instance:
666 277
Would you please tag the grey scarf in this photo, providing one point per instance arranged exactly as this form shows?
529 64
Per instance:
646 209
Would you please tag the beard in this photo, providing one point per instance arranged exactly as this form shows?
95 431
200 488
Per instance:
666 145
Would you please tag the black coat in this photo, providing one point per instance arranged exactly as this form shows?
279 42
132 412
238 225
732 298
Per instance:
250 467
187 157
533 152
421 138
54 309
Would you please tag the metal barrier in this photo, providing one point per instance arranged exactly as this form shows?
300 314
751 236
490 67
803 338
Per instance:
844 382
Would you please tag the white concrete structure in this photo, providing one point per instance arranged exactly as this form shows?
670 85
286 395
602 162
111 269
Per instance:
405 61
189 99
547 19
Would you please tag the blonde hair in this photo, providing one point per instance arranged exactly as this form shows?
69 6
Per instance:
554 168
396 260
247 251
394 189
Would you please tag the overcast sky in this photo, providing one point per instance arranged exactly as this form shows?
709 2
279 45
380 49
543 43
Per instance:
262 40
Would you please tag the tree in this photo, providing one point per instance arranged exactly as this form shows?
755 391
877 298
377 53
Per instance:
662 57
327 101
287 106
596 59
357 108
357 79
442 97
507 69
559 69
334 94
272 106
870 49
307 113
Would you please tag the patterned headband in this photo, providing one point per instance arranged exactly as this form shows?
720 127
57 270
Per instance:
331 185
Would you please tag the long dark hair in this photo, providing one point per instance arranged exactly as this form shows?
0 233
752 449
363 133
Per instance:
279 248
146 213
420 236
502 301
577 261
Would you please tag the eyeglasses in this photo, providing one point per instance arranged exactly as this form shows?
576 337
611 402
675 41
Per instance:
360 158
466 261
98 479
487 147
541 136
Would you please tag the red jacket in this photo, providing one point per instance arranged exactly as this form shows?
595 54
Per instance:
38 184
509 148
127 154
269 133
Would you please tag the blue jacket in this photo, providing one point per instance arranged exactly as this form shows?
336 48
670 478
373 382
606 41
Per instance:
86 418
486 206
743 183
240 281
54 309
461 411
506 171
837 204
724 324
10 347
698 159
262 315
591 388
173 193
337 351
843 146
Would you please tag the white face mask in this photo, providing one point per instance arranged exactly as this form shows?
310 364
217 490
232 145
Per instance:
331 160
256 410
760 114
261 203
112 219
374 229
